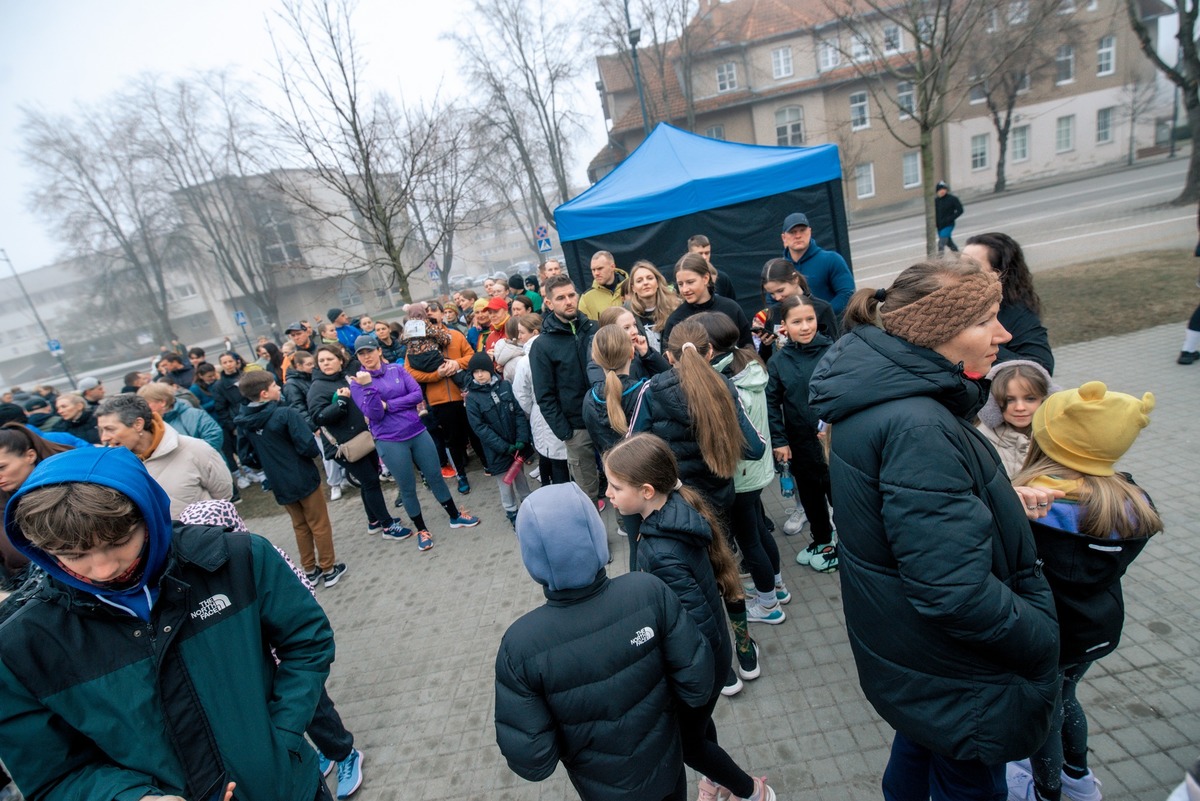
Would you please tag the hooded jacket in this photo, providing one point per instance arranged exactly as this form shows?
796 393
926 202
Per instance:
544 440
139 693
499 422
600 297
950 619
771 319
595 411
792 420
673 545
590 679
1011 444
389 403
751 384
827 274
227 398
196 423
285 447
1029 337
189 469
295 394
558 361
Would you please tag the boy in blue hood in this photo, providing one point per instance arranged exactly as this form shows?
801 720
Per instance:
136 667
591 678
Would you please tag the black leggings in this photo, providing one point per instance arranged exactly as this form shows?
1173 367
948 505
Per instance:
758 548
812 485
553 471
366 472
702 753
451 418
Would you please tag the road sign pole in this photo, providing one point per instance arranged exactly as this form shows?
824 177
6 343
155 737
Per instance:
62 361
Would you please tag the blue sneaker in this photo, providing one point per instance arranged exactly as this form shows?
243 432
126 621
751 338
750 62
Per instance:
349 774
324 763
463 486
396 532
464 520
424 540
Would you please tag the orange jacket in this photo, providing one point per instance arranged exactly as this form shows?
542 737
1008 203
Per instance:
440 389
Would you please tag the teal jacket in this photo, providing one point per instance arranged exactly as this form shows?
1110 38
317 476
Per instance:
167 688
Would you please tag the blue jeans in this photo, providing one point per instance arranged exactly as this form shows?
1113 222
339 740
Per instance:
914 773
399 458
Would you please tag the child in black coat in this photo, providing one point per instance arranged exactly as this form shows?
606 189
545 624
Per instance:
502 427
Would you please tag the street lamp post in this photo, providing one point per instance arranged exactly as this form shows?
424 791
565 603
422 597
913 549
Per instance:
635 36
62 360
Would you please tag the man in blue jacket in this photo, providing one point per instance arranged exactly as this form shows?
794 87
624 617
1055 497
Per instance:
828 275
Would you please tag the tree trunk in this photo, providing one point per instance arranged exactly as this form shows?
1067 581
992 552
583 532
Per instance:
1001 159
928 183
1191 189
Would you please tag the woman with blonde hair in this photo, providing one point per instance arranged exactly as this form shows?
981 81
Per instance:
651 300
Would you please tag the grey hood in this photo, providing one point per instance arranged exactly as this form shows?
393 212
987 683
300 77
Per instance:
563 541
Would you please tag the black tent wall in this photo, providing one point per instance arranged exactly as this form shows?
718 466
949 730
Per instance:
744 237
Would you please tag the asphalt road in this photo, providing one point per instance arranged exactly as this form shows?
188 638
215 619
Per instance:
1120 212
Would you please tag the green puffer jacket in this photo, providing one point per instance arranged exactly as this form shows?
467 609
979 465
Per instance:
751 383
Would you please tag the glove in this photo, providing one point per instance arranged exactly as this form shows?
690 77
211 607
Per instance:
512 449
520 446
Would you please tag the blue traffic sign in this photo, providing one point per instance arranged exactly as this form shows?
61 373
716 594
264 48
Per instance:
544 246
55 346
239 317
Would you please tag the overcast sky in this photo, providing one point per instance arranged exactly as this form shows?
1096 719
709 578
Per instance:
57 53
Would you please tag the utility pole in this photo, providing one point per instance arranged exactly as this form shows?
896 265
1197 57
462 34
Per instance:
62 361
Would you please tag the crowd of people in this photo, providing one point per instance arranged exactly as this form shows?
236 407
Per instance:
967 489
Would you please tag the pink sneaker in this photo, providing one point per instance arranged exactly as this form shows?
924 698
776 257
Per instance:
762 791
711 791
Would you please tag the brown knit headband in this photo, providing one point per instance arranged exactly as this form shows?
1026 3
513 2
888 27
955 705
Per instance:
940 315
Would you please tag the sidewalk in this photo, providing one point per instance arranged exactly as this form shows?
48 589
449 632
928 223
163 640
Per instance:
417 636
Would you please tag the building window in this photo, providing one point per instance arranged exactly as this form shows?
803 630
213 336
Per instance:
860 116
860 47
781 62
905 99
911 164
1018 12
1064 134
181 292
715 132
1066 7
1104 126
979 152
1106 56
893 39
727 77
978 91
1064 64
789 126
864 180
1019 146
276 234
925 31
993 21
830 56
348 294
1025 84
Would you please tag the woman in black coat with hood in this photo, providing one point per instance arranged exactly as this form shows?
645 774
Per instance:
950 619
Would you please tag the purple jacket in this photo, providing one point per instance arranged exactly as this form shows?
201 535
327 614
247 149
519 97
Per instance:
393 386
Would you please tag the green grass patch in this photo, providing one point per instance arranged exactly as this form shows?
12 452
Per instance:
1118 295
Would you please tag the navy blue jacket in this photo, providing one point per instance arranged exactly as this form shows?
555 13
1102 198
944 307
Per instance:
285 447
828 275
497 419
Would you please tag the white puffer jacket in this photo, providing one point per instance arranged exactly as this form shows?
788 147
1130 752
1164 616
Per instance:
521 378
189 469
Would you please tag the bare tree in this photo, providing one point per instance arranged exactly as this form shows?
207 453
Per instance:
1139 97
1027 45
1184 73
524 58
366 151
103 196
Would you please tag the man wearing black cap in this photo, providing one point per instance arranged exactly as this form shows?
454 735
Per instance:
946 210
828 276
346 331
41 415
301 337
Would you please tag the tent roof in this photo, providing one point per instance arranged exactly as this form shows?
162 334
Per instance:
674 173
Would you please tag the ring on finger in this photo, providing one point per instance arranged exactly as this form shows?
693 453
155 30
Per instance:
1043 505
1031 508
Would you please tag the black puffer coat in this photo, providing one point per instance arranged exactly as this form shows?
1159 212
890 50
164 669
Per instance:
950 619
341 417
589 679
664 412
227 399
673 545
789 415
558 363
595 411
497 419
716 303
295 393
1029 337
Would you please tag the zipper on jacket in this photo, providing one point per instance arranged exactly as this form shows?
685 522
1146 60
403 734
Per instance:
1037 567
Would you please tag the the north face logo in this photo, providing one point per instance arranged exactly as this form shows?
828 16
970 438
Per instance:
643 636
212 606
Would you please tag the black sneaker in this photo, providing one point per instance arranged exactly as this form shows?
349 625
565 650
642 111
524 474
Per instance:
1188 356
313 576
334 574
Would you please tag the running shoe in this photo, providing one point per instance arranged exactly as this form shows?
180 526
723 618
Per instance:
424 540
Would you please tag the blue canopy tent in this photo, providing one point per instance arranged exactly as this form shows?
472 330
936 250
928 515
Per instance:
677 184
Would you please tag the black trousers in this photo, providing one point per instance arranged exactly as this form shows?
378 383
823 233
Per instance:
327 731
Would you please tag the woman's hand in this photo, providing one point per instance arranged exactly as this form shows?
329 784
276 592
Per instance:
641 345
766 337
783 454
362 378
1037 500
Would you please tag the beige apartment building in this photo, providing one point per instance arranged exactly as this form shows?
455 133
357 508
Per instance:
782 72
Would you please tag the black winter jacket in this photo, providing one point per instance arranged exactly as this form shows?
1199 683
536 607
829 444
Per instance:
285 448
341 417
716 303
950 619
227 399
664 412
827 324
84 426
788 413
558 363
591 680
497 419
1029 337
295 393
595 411
673 545
946 210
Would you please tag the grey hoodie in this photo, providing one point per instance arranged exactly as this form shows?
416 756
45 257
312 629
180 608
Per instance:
563 542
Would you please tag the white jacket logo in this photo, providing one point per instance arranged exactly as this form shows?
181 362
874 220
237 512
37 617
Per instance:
643 636
212 606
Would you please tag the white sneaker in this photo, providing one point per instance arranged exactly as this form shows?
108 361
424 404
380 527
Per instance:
243 482
1085 789
757 613
335 493
536 474
795 522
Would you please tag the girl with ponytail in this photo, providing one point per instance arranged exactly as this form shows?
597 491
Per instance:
682 541
608 407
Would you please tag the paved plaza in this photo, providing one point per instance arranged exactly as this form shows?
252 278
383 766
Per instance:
417 635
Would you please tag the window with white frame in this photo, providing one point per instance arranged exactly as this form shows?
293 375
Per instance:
905 98
789 126
348 294
978 91
993 21
1064 64
893 39
1104 125
860 47
910 165
781 62
1064 134
864 180
979 152
1025 84
1066 7
715 132
1018 12
727 77
1018 145
830 55
860 115
1106 56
